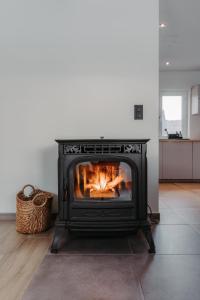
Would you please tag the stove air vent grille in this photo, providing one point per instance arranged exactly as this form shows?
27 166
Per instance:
101 148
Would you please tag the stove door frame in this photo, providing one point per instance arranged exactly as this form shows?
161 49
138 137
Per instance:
107 209
108 202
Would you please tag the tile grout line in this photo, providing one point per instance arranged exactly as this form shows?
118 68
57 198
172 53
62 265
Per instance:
194 229
138 282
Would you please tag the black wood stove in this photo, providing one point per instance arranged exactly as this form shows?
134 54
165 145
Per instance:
102 187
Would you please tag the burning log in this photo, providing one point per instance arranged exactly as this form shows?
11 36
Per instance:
102 194
115 182
104 187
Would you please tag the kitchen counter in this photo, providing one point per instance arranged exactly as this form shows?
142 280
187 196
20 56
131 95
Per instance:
179 140
179 159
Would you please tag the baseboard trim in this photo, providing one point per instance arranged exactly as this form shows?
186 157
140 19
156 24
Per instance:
7 216
179 180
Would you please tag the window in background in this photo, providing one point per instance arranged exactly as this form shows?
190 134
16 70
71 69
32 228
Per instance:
171 114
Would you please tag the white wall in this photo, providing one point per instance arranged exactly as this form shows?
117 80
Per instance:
74 69
183 80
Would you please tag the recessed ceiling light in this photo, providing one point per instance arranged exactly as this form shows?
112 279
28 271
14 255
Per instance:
167 63
163 25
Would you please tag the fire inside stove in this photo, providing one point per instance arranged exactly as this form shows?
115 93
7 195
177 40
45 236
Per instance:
103 180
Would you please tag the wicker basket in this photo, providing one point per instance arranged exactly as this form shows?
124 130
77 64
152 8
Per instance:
33 212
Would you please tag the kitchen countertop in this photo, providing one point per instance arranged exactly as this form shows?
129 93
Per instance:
179 140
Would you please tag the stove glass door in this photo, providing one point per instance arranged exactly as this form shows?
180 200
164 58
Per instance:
103 180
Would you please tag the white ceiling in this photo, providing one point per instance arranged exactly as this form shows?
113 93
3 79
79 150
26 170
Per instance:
180 40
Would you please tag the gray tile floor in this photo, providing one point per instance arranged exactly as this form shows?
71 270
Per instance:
121 268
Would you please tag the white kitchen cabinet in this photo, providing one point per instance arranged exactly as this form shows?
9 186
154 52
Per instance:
161 160
177 161
196 160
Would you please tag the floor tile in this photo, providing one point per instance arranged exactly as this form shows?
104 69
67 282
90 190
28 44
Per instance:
163 204
166 187
193 187
181 199
93 277
169 277
196 227
169 239
176 239
190 215
170 217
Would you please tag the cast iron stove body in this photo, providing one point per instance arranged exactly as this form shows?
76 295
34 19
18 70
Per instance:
102 187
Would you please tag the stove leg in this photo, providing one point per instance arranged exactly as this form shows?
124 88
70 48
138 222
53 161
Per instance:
148 235
59 234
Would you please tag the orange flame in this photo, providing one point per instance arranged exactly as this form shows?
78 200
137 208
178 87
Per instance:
99 180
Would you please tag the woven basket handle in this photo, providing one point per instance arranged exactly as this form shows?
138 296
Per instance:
43 202
31 186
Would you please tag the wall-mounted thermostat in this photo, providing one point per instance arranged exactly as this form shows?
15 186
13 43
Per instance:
138 112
